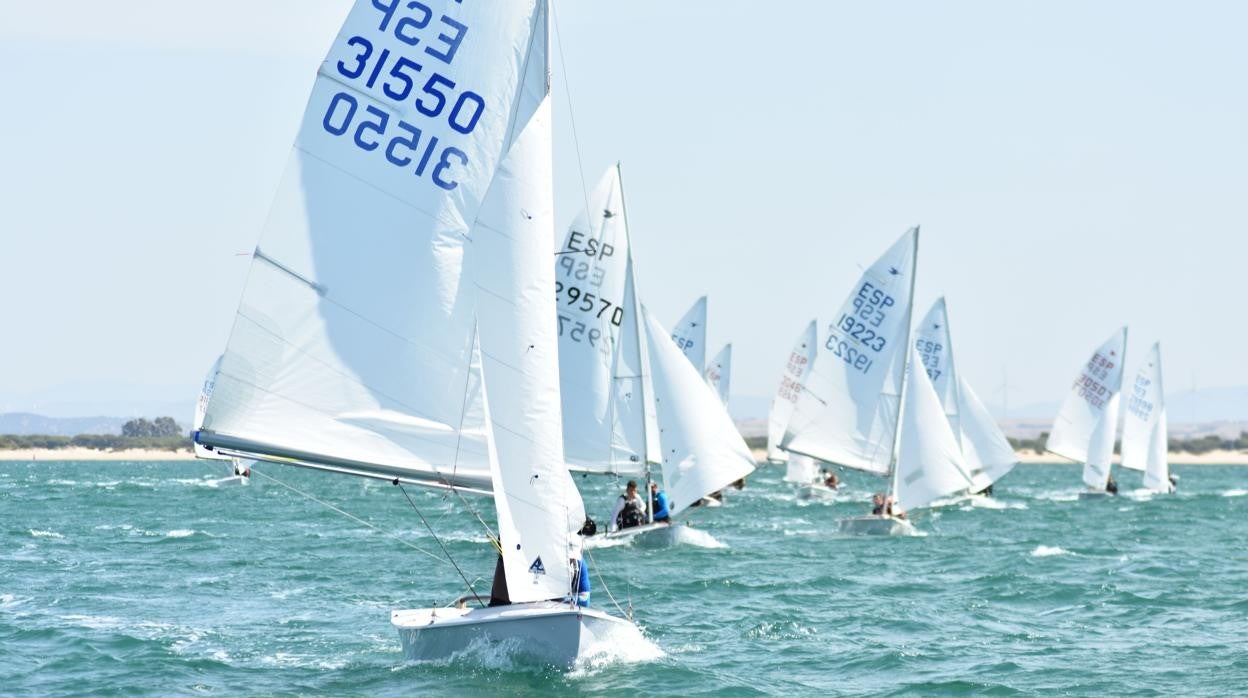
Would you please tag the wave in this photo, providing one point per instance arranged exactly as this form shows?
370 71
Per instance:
45 534
180 533
1049 551
1234 493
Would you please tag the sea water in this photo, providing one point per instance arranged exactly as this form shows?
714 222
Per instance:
145 579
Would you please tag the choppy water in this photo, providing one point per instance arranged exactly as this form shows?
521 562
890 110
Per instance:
141 578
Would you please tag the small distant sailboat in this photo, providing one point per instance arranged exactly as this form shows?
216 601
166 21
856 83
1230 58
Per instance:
862 407
690 334
800 358
986 451
398 321
1088 419
718 373
1144 437
240 470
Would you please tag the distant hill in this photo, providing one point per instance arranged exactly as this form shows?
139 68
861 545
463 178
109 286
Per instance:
26 423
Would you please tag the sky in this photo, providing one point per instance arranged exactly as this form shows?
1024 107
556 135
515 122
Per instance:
1075 167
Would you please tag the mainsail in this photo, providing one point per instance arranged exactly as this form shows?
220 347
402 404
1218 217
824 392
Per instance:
702 450
690 334
1144 438
201 408
718 373
1084 428
801 470
847 410
601 353
929 461
800 358
987 453
352 346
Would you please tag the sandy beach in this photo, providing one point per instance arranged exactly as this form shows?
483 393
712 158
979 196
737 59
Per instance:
63 454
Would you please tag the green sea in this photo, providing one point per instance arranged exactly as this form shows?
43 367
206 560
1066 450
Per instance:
145 579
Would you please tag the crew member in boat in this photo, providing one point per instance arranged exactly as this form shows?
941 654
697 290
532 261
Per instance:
630 509
830 480
1111 485
1174 482
658 504
891 508
877 504
580 582
242 470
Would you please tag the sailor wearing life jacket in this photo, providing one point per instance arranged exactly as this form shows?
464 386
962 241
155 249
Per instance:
630 509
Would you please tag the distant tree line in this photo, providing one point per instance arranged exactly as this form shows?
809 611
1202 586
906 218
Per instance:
161 434
1196 445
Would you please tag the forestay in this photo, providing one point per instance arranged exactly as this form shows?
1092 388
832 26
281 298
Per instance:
352 346
702 450
929 461
601 357
1085 425
690 334
847 411
985 450
1144 438
800 358
718 373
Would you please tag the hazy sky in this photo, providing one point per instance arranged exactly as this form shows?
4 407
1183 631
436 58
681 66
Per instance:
1075 166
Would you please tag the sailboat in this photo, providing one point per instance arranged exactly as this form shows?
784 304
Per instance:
398 319
690 334
802 471
1084 428
718 373
986 451
863 407
1144 439
240 470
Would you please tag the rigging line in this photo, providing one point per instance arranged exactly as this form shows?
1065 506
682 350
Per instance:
604 585
576 141
346 514
445 552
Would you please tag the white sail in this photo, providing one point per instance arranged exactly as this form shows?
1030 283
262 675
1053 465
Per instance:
800 358
600 361
539 509
718 373
690 334
702 450
929 461
986 451
847 410
352 346
1084 428
1144 438
201 408
801 470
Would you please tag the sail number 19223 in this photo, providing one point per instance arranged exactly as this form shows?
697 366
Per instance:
859 331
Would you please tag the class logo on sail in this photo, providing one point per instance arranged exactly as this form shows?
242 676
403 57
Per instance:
537 567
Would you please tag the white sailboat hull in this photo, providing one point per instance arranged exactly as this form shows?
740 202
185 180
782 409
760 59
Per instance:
816 492
546 631
657 535
872 525
232 481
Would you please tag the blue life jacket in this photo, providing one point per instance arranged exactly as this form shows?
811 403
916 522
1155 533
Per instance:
659 504
582 584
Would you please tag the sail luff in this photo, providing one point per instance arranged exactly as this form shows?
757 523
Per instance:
907 350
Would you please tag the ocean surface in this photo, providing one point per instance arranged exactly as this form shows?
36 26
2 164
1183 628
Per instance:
145 579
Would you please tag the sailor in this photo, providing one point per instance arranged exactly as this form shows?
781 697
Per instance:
739 484
658 504
1174 482
830 480
1111 486
242 470
877 504
580 582
630 509
891 509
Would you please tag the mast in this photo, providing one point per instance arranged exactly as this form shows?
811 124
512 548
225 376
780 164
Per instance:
648 435
905 370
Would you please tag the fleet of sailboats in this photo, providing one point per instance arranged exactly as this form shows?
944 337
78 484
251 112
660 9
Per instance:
402 321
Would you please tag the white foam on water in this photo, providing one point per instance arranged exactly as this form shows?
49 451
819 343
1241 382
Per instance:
996 504
624 644
289 659
1049 551
180 533
1234 493
599 542
45 534
687 535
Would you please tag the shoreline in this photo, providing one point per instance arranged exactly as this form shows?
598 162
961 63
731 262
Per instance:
1218 457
